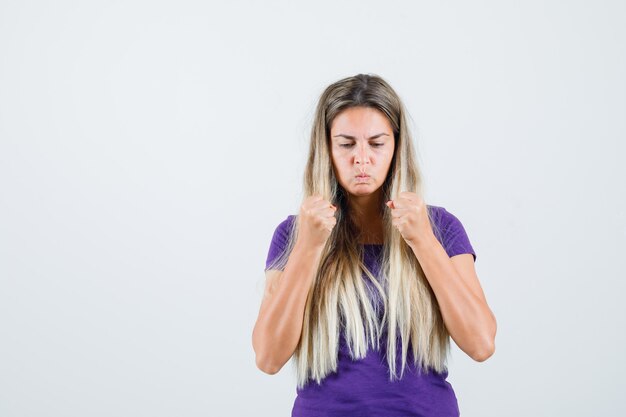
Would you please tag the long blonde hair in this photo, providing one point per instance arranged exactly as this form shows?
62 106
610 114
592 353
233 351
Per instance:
338 299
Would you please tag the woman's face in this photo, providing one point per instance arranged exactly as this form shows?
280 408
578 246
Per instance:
362 145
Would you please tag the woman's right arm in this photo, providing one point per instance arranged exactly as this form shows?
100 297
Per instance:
279 324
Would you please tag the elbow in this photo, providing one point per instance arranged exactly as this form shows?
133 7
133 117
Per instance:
267 366
484 353
270 356
262 360
486 349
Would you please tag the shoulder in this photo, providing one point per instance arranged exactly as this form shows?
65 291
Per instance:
285 225
450 231
283 230
441 215
279 246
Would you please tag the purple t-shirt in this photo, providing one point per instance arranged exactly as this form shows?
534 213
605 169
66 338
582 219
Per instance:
362 387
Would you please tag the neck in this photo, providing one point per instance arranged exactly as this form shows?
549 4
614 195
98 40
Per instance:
365 212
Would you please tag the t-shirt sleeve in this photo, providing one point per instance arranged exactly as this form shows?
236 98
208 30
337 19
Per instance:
278 245
453 236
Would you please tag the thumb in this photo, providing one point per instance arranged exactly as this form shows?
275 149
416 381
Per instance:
390 204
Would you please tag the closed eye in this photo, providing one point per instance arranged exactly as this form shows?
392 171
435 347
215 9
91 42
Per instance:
348 145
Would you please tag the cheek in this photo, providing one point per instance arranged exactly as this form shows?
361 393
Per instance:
339 165
344 170
386 165
340 162
389 157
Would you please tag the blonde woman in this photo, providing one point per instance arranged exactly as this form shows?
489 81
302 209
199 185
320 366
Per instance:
367 283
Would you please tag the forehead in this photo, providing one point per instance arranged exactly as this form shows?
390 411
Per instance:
360 120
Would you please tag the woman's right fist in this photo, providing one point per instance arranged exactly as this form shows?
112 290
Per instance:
316 220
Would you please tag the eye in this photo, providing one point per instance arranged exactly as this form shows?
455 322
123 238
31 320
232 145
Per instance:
348 145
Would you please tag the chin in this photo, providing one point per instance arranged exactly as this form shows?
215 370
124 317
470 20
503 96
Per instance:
362 190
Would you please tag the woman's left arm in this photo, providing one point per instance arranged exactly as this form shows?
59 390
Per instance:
465 312
463 306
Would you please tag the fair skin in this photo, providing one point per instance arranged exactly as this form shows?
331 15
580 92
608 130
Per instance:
362 142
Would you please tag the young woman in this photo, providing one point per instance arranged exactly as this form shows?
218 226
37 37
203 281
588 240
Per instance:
366 285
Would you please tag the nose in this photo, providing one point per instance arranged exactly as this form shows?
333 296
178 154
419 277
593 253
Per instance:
361 157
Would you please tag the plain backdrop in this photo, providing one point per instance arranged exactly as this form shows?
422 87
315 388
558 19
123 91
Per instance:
148 150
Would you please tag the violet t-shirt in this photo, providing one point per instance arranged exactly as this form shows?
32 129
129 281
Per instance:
361 387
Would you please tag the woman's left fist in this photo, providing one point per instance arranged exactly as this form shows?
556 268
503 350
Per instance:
409 215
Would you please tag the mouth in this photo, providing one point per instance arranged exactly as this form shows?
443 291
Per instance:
362 176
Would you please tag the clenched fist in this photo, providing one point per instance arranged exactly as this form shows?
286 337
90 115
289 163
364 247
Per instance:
409 215
316 220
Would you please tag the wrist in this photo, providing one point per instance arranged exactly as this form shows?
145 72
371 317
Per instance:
424 243
304 246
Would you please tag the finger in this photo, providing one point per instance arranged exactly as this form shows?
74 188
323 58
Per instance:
399 212
329 211
409 196
322 202
310 201
401 202
315 198
330 224
397 222
323 208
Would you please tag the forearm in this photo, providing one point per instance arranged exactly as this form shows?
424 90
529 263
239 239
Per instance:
469 321
279 325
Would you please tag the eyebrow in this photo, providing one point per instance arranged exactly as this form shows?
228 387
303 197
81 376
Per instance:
352 137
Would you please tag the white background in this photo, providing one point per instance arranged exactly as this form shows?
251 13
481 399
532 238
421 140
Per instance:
149 149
